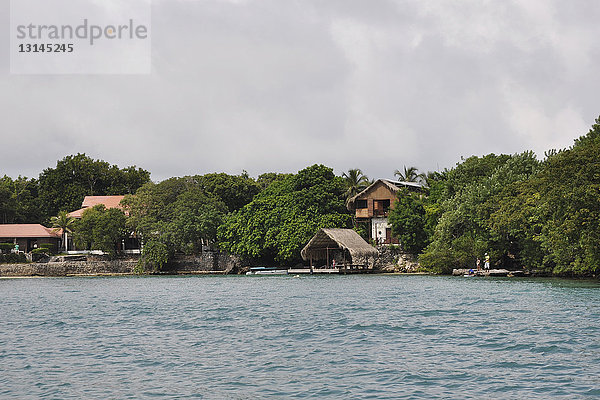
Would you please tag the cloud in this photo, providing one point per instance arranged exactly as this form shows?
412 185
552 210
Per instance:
276 86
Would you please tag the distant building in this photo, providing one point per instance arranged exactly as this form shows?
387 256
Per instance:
129 244
373 204
91 201
29 236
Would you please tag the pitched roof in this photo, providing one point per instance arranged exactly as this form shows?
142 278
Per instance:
393 185
91 201
346 239
27 231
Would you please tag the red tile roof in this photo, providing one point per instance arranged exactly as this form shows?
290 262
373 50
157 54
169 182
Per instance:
27 231
91 201
108 201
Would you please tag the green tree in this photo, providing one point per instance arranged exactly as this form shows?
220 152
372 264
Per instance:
463 231
569 202
177 212
63 188
281 219
64 223
265 180
234 191
410 174
409 222
154 256
355 182
101 229
8 206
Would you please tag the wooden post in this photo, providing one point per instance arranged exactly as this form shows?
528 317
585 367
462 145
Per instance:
328 257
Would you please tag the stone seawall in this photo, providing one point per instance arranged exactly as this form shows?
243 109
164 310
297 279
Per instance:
69 268
391 259
205 262
94 265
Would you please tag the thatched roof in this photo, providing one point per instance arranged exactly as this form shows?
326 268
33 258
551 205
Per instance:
345 239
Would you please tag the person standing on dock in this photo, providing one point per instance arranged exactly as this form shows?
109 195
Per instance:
487 262
478 264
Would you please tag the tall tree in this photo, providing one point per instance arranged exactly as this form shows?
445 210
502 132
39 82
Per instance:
409 221
410 174
282 218
63 188
177 212
100 229
355 182
65 223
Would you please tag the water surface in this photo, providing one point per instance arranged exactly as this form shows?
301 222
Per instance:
236 337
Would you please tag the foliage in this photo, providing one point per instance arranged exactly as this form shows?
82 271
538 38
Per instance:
569 206
74 177
265 180
282 218
19 202
13 258
234 191
6 247
463 232
409 221
51 248
63 222
410 174
355 182
154 257
177 212
100 229
362 228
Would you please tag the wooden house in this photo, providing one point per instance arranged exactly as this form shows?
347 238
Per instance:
373 204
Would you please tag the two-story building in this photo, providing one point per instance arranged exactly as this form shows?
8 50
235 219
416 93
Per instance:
373 204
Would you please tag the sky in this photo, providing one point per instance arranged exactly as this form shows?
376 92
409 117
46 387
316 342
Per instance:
278 85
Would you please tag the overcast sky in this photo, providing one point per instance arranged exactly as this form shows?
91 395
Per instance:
277 85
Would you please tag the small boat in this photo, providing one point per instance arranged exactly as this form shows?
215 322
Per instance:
266 271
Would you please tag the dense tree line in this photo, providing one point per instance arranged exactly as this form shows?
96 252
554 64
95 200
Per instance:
525 213
64 187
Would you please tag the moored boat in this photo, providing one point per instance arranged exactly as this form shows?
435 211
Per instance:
267 271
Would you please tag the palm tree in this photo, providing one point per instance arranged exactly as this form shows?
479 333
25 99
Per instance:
65 222
409 174
355 181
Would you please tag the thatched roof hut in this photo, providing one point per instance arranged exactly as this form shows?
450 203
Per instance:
328 240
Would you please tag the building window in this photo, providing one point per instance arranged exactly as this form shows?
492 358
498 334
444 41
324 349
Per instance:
361 203
386 205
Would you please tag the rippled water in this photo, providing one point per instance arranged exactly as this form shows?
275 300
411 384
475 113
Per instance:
284 337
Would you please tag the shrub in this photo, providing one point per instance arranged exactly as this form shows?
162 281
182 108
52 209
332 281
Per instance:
6 247
40 250
50 248
154 256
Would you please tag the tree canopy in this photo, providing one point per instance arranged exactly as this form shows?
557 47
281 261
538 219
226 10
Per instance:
280 220
63 187
177 212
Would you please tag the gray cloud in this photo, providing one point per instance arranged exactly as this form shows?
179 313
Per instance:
275 86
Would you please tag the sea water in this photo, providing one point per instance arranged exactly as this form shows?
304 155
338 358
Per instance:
238 337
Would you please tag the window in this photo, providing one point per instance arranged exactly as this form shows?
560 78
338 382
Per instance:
361 203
